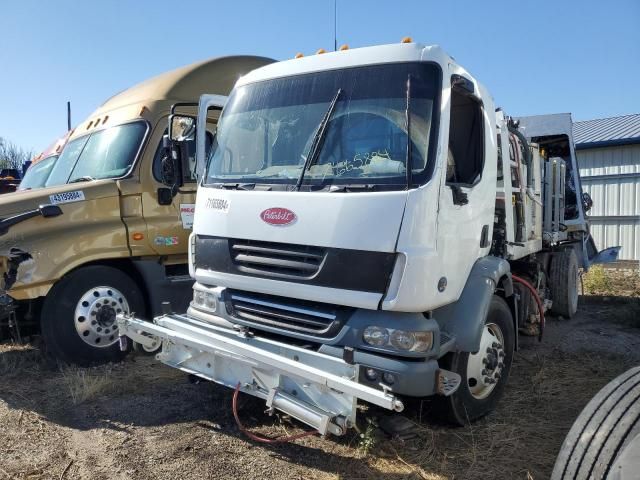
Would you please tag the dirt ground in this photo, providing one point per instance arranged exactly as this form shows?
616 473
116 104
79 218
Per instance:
142 420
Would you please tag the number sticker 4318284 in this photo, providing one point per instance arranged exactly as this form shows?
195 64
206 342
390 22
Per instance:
67 197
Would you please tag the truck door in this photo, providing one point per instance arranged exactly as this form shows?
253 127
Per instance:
467 197
169 219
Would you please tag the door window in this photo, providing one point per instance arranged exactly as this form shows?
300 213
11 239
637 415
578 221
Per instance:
465 158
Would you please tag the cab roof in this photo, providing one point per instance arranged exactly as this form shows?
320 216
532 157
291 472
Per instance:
216 75
400 52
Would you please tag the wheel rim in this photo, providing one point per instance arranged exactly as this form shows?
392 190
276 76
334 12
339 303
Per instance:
95 316
484 368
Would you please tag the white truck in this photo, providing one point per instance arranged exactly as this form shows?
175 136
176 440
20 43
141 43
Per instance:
369 227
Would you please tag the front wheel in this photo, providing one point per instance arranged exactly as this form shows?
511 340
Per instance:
484 373
79 314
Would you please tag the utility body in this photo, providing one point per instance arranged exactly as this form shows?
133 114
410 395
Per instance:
370 227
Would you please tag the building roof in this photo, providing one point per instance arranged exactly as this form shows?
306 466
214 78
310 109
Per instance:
604 132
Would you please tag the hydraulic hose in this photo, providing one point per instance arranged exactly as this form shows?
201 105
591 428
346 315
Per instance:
536 297
257 438
527 155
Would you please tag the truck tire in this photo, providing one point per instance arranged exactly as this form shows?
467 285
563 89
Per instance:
476 396
563 282
78 314
598 437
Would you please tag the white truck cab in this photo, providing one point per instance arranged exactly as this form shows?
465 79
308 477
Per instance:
357 232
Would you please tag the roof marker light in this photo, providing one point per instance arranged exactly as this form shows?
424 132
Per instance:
344 47
407 40
299 55
321 51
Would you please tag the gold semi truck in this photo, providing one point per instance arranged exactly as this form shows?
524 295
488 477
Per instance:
108 233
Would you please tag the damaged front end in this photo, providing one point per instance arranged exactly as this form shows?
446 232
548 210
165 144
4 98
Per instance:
319 390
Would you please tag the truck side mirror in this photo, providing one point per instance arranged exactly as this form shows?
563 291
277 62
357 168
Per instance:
182 128
168 163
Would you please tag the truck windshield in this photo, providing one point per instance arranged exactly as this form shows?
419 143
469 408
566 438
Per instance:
37 174
107 153
267 128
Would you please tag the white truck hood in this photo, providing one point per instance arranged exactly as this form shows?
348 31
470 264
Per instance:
351 220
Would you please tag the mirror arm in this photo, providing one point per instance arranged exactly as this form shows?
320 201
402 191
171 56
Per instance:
459 197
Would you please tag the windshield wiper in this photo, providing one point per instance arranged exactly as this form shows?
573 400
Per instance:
85 178
408 120
316 145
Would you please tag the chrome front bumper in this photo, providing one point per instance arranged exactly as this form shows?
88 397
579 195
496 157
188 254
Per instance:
317 389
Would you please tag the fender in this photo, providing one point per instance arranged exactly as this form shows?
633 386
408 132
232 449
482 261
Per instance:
464 319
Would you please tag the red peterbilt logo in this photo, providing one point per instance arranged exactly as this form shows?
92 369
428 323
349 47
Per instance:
277 216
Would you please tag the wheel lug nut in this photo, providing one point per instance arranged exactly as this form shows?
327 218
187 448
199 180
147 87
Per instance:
487 380
485 372
501 353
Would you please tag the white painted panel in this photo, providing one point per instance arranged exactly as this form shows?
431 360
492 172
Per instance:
609 233
609 160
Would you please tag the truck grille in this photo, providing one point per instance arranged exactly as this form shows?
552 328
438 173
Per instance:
276 259
313 318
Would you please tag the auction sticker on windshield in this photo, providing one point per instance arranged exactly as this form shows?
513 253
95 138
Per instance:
67 197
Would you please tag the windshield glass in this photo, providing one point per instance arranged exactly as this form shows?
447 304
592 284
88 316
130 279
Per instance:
37 174
107 153
267 128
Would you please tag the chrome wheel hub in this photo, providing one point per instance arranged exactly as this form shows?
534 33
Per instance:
484 368
95 316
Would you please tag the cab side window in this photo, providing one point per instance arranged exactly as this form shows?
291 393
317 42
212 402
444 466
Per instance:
465 158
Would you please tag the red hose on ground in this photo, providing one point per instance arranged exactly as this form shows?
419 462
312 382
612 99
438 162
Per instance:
534 292
255 437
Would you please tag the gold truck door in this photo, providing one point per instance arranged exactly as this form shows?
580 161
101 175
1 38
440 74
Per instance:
169 223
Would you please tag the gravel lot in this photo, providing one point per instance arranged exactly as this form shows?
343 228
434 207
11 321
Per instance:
142 420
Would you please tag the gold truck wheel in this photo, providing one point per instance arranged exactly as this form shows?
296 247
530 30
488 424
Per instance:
79 314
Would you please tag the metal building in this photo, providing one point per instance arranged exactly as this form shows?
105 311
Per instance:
608 152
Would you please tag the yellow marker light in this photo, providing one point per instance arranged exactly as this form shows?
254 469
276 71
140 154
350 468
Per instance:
321 51
344 47
142 111
407 40
137 236
299 55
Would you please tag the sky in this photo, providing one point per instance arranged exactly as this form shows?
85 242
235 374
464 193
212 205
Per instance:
542 56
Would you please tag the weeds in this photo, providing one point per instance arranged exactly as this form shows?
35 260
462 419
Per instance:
85 384
367 440
18 360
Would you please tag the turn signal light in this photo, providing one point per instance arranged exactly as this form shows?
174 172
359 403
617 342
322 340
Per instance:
137 236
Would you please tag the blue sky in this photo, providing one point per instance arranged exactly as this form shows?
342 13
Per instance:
541 56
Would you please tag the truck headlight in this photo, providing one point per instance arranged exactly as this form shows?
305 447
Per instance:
205 300
376 336
401 340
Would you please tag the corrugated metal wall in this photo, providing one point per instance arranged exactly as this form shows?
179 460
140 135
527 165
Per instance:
611 175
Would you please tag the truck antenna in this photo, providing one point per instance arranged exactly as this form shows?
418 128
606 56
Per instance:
335 25
68 116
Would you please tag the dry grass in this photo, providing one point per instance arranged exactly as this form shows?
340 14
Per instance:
88 383
522 438
611 282
16 360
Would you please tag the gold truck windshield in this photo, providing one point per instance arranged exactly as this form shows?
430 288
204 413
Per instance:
38 173
268 129
107 153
